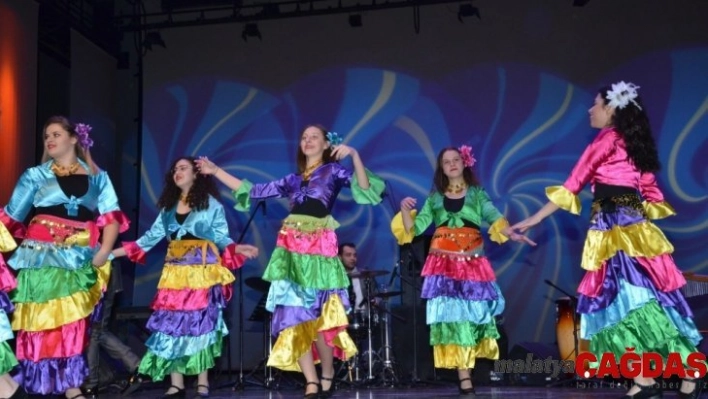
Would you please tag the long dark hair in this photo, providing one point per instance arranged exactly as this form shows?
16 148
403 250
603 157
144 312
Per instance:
198 197
632 123
302 159
82 153
440 181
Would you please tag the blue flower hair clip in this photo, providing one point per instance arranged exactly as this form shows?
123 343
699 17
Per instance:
334 138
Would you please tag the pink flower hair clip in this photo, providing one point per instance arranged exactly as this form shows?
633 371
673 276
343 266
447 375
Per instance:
467 156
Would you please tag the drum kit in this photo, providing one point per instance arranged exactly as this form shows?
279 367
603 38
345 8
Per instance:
369 366
375 313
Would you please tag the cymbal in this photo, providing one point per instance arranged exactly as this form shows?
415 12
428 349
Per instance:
368 273
388 294
257 284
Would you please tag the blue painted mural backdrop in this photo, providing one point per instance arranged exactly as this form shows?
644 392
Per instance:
527 127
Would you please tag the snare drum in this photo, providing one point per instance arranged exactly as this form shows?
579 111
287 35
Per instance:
564 330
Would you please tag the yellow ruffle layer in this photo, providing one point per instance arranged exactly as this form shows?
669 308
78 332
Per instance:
58 312
642 239
404 236
658 210
566 200
295 341
464 357
194 277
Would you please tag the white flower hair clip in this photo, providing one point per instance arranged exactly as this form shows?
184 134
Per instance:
621 94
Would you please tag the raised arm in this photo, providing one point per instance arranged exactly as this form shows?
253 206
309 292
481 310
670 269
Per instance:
409 223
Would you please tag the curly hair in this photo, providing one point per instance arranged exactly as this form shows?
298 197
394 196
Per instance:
440 181
302 159
632 123
198 196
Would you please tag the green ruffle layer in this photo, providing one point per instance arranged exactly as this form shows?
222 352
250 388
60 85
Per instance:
308 271
157 368
647 329
8 361
41 285
463 333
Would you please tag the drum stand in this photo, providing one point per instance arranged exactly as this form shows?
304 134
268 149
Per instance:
575 379
388 368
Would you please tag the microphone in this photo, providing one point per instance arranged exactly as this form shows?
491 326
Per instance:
393 274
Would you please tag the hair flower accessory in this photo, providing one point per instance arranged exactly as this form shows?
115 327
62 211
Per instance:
467 156
334 138
621 94
83 130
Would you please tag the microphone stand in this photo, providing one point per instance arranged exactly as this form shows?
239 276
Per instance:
240 384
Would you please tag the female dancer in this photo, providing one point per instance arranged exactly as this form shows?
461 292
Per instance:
308 294
463 297
629 296
195 284
63 268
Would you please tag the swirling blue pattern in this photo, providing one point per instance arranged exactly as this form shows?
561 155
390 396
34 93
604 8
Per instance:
527 127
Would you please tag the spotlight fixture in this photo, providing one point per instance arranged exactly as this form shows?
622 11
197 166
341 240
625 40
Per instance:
251 30
468 10
355 20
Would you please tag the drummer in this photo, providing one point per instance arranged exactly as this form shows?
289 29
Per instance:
347 253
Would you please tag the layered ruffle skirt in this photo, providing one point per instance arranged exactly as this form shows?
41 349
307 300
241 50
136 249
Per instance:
187 324
8 283
630 297
57 297
463 299
308 292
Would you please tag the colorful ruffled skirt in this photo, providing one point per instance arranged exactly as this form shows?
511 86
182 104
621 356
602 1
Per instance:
58 292
630 295
463 299
308 292
187 323
8 360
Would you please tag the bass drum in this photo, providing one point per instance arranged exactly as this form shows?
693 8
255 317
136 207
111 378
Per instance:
564 330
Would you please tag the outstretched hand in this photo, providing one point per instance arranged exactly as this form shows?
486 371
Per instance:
408 203
342 151
525 224
514 236
206 167
246 250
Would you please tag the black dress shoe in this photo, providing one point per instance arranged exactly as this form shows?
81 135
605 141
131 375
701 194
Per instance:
697 389
180 393
90 393
134 383
646 392
466 391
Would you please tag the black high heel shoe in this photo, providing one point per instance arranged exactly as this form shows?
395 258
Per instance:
697 389
179 394
646 392
328 393
313 394
467 391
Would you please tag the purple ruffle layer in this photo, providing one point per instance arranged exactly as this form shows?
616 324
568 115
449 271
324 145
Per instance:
288 316
436 286
178 323
53 376
5 303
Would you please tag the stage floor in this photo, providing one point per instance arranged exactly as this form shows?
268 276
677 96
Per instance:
447 391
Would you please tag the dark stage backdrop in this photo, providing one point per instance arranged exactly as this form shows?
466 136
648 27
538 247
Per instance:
515 85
